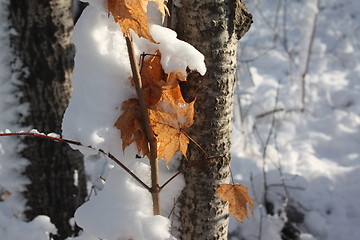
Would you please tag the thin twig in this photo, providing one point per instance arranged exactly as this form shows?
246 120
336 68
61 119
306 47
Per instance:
267 143
172 209
142 58
58 139
259 204
289 187
261 115
187 168
281 172
198 145
191 165
112 157
91 191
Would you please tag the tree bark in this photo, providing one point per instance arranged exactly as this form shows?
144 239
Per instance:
78 7
43 45
214 28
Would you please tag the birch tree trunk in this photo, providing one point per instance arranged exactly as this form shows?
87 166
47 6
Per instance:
43 45
214 27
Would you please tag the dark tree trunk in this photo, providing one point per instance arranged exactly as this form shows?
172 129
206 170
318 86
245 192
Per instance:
214 28
43 45
78 7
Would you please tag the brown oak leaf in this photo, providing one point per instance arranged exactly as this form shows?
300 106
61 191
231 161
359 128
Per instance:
237 195
129 124
168 118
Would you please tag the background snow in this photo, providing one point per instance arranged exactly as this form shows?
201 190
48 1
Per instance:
314 153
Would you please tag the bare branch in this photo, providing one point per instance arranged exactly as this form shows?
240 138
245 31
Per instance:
261 115
58 139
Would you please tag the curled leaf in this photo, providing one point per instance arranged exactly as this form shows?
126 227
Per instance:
129 124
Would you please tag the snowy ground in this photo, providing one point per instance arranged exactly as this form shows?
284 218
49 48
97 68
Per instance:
310 159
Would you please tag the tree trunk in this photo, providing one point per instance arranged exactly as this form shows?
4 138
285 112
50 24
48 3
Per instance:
214 28
56 173
78 8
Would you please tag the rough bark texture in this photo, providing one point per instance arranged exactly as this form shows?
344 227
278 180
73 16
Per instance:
214 28
43 45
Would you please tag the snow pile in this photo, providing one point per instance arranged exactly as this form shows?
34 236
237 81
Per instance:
38 229
310 160
123 209
177 55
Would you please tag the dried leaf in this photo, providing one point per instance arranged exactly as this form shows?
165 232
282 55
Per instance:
174 77
238 197
168 118
152 76
168 112
131 14
129 124
155 80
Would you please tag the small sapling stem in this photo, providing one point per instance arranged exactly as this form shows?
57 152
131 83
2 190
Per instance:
154 168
